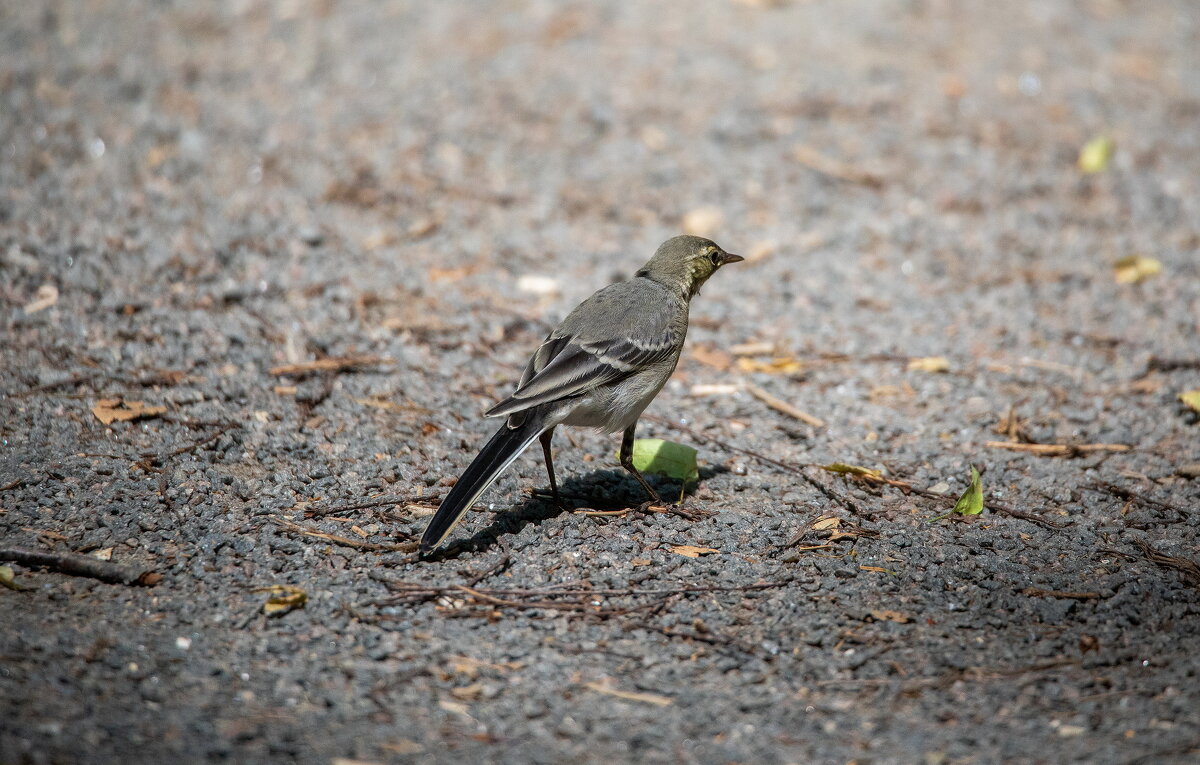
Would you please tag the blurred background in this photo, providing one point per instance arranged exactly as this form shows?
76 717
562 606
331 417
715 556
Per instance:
972 233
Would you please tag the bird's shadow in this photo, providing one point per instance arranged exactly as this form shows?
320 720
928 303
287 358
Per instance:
611 489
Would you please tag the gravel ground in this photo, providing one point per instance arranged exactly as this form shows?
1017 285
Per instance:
195 195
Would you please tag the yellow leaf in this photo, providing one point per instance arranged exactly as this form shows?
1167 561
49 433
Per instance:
1191 398
878 569
691 551
8 578
110 410
1095 154
780 365
284 598
929 364
826 523
1135 269
841 467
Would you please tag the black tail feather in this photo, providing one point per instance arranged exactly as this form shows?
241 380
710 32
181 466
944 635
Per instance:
495 456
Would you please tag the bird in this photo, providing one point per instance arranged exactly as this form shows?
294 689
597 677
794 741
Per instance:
599 368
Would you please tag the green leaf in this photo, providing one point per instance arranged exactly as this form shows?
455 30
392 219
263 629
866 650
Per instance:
1095 154
654 455
971 501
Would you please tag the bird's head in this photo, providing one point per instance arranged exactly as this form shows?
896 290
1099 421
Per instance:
685 263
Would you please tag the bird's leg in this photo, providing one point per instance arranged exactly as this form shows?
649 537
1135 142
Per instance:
627 463
545 438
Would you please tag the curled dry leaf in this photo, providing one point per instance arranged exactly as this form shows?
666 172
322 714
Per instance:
47 295
110 410
691 551
971 501
1191 399
284 598
841 467
828 522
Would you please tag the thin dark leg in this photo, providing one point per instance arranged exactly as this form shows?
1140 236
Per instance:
545 438
627 462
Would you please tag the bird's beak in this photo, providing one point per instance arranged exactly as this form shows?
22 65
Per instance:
731 258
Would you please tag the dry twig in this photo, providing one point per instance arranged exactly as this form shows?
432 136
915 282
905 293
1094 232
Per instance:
81 565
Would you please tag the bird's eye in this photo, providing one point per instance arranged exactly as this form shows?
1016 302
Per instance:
715 257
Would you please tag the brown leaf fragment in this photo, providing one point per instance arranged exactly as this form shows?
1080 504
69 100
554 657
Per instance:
1037 592
327 365
886 615
1057 450
691 551
110 410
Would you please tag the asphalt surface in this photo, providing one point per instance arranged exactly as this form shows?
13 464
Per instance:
316 239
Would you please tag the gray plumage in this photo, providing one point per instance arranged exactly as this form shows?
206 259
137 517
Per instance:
600 368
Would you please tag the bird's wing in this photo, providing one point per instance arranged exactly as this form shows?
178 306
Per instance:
612 335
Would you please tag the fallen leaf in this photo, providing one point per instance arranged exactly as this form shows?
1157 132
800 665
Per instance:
716 389
878 569
826 523
841 467
1135 269
714 358
284 598
691 551
929 364
110 410
971 501
1095 154
640 562
780 365
1192 399
890 616
645 698
46 296
654 455
8 579
103 554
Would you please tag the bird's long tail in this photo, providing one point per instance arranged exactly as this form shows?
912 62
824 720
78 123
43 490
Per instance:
496 456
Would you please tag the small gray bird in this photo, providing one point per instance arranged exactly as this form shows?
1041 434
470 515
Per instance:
600 368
